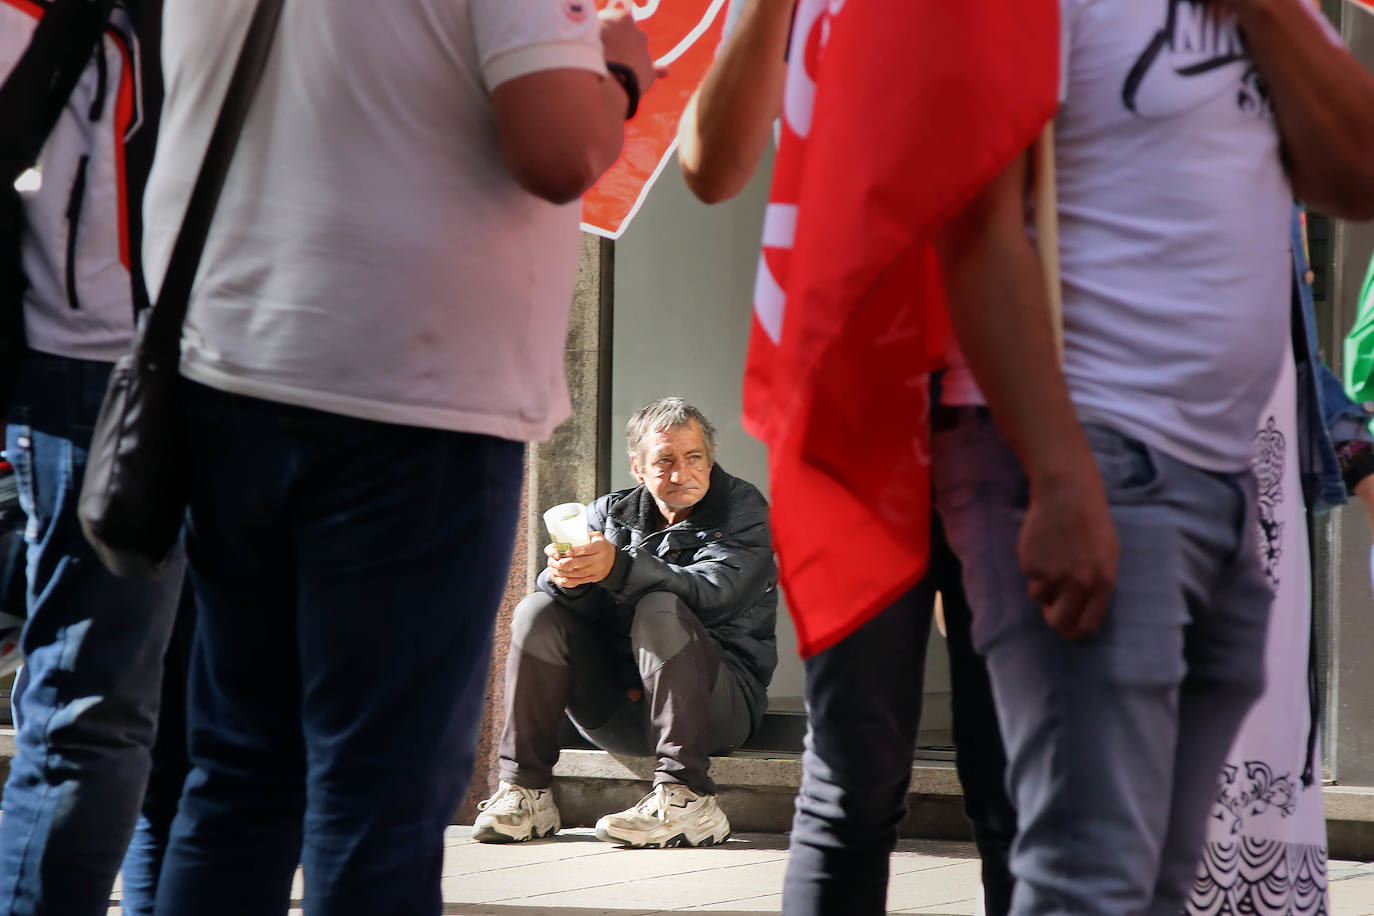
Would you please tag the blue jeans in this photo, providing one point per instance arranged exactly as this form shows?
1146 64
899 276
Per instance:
93 645
863 700
143 862
1114 742
347 577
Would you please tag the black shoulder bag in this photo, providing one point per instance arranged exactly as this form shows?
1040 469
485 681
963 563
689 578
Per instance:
133 499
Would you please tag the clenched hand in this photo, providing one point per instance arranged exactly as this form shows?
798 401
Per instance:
1068 551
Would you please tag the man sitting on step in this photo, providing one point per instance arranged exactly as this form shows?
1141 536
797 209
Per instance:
656 638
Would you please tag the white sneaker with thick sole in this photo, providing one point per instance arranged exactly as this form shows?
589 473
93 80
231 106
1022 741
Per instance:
670 815
515 814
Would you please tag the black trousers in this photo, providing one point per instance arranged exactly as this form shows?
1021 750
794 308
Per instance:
863 699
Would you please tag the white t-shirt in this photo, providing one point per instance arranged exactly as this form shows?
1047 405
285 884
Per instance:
1174 241
371 255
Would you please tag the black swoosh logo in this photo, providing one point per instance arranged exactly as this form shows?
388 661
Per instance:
1130 90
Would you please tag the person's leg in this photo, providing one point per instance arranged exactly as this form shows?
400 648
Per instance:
681 666
93 645
143 862
236 837
693 705
1225 654
863 701
980 758
558 661
404 538
1090 726
1091 766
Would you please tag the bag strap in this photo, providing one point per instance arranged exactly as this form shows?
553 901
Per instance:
162 337
56 56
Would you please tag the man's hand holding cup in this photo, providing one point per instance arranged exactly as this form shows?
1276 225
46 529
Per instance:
584 565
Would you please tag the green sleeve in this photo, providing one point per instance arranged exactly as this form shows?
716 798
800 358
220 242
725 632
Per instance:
1359 345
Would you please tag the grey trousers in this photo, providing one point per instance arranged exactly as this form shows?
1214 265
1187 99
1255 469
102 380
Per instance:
693 705
1115 742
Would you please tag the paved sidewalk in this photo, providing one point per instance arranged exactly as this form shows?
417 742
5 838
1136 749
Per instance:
577 874
574 874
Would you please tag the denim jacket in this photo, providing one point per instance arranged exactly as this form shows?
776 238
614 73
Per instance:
1326 416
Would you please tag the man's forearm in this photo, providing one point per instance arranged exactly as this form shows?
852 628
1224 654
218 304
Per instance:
1010 349
728 122
1000 314
1324 100
560 130
1067 547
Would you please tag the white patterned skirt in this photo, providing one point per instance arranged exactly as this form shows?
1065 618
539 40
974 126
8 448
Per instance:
1266 838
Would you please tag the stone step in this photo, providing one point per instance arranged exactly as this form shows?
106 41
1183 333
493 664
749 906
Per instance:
757 789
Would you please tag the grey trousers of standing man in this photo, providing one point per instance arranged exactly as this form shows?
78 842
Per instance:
1114 742
693 705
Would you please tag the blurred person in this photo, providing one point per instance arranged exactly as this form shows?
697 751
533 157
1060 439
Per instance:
1185 131
86 705
856 768
657 638
377 325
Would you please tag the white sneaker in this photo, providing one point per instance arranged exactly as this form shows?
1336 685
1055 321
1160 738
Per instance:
670 815
515 814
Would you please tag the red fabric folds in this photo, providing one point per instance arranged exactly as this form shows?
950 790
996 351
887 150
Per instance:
897 112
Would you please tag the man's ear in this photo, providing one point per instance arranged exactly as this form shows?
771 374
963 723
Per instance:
634 469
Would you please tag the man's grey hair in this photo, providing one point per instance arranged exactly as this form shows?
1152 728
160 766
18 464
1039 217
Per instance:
665 414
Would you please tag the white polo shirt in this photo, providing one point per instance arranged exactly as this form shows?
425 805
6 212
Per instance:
371 255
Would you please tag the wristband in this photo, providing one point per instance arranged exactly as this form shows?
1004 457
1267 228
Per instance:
629 82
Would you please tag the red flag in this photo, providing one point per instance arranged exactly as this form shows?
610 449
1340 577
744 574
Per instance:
896 113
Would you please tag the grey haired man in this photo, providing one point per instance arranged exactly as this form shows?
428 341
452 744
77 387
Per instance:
657 638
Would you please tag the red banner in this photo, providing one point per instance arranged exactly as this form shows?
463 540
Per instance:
683 35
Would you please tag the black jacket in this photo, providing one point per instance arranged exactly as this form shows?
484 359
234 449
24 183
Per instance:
719 561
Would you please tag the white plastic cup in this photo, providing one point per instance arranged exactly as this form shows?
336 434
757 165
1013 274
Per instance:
567 524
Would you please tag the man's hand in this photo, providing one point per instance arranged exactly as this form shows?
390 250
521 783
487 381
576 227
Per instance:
628 44
1068 551
585 565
